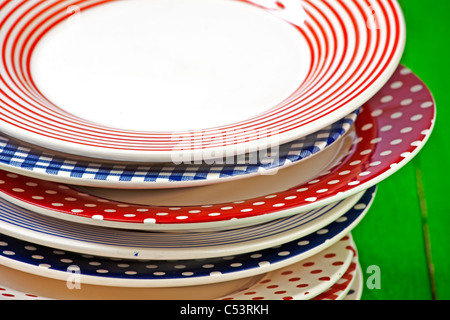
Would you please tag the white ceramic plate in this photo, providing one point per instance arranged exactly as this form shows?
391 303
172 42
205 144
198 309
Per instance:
58 264
197 79
294 280
128 244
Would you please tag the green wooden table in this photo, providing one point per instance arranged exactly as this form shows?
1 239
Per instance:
406 232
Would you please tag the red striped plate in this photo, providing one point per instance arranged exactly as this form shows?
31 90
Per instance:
350 49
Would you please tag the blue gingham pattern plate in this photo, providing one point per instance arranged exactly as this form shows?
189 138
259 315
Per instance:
61 264
21 158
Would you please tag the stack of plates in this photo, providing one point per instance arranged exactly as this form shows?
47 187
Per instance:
173 149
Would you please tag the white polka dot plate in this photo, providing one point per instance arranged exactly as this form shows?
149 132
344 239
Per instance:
321 277
390 130
58 264
208 79
330 270
129 244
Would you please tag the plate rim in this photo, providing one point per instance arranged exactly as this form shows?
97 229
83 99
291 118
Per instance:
158 156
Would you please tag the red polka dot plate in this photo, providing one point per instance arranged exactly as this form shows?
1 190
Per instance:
155 84
391 129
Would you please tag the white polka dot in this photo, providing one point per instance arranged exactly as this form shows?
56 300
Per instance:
162 214
406 102
247 210
57 204
109 210
226 208
271 196
207 266
12 175
9 253
386 99
416 117
396 115
51 192
76 210
279 205
129 215
97 217
322 190
396 85
365 173
102 271
180 266
258 203
130 273
405 71
322 231
142 210
174 209
236 265
367 151
66 260
377 113
264 263
302 189
416 88
214 214
333 182
406 130
37 257
182 217
311 199
303 243
150 221
30 248
256 256
385 153
44 265
284 253
354 163
426 104
354 183
345 172
18 190
396 141
313 181
31 184
360 206
123 265
375 163
187 274
367 126
37 198
290 198
342 219
90 205
70 199
215 273
376 140
386 128
95 263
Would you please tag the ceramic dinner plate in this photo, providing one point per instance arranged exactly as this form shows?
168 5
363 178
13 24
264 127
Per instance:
19 157
58 264
156 81
390 130
129 244
310 279
331 271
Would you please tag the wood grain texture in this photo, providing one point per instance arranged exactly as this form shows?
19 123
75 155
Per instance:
406 231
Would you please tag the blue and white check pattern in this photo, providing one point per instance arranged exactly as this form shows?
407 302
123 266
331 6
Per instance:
26 160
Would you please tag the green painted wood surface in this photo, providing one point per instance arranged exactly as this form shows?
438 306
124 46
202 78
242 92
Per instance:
406 232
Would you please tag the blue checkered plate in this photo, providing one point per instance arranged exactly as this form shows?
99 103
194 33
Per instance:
27 160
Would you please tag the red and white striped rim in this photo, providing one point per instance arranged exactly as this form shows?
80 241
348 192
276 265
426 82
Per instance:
355 46
391 129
